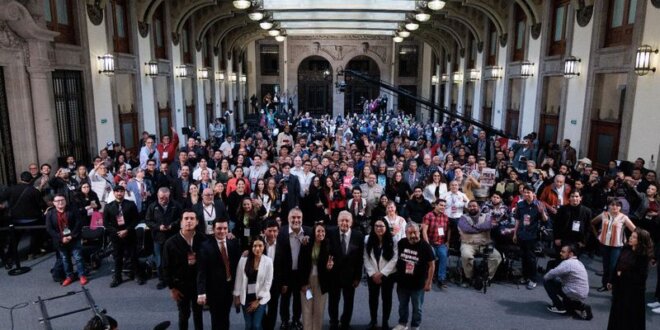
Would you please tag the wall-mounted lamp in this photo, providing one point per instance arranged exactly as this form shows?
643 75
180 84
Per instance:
151 69
436 4
458 77
233 77
526 69
266 25
243 78
444 78
242 4
643 60
434 80
571 69
474 74
493 73
106 64
203 73
183 72
220 75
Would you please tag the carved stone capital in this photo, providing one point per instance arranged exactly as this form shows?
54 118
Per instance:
480 46
216 51
198 45
656 3
461 52
175 38
536 31
584 14
503 38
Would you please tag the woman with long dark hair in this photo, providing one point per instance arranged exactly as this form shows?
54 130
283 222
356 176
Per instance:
380 256
398 190
313 267
254 276
233 182
87 201
628 284
248 223
334 199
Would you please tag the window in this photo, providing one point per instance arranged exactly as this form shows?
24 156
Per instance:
185 43
558 35
407 61
270 60
492 45
520 27
160 36
121 30
59 17
620 23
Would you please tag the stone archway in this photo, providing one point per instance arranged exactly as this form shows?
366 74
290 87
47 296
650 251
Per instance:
357 91
315 86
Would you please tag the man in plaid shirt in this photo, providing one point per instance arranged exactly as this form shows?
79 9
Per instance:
436 232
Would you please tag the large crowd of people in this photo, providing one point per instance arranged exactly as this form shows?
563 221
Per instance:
289 217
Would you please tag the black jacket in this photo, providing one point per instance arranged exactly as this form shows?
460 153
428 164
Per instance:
220 213
177 271
156 215
178 191
417 210
211 275
285 261
22 205
74 224
563 224
347 268
110 212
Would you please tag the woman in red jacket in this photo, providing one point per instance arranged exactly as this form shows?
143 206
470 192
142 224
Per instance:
334 199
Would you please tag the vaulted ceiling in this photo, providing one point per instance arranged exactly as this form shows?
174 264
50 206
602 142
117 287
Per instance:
228 27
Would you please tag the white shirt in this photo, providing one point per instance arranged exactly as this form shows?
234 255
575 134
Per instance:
295 242
305 180
209 217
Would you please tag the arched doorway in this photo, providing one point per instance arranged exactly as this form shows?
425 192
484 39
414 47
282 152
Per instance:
315 86
356 89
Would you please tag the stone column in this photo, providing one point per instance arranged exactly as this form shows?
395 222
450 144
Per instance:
436 101
240 92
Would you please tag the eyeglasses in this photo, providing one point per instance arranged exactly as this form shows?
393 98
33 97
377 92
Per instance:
379 226
59 201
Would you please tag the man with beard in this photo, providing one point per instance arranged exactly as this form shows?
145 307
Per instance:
180 269
417 207
572 223
414 269
474 228
161 217
528 214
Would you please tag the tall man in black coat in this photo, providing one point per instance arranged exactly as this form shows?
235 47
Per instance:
180 269
216 274
292 242
162 217
290 190
346 251
271 232
120 218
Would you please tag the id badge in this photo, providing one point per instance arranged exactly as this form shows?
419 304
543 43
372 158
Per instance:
527 220
209 227
252 288
308 294
410 268
192 258
246 232
454 209
120 220
576 226
441 231
165 153
397 199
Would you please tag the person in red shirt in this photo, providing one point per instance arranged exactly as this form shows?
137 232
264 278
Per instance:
167 148
64 226
436 232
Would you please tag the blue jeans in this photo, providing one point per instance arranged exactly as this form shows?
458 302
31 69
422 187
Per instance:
67 252
253 320
416 297
610 256
441 252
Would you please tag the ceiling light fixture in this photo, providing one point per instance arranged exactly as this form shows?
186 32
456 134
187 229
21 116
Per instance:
403 34
255 15
242 4
280 38
412 26
274 32
422 16
397 39
266 25
436 4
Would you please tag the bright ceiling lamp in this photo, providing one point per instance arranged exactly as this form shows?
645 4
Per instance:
422 16
266 25
412 26
403 34
435 4
242 4
280 38
273 33
397 39
255 15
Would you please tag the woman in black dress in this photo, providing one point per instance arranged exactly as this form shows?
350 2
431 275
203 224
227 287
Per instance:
629 283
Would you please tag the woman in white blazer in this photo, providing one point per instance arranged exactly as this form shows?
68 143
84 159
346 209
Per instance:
380 257
254 276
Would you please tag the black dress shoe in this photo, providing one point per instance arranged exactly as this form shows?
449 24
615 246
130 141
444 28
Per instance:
372 326
602 289
115 282
161 285
140 280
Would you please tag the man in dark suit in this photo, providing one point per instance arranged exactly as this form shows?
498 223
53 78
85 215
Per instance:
208 211
346 250
292 241
162 217
120 218
216 274
174 170
182 184
271 231
290 189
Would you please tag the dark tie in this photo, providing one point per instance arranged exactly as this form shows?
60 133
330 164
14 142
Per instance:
344 246
437 191
225 260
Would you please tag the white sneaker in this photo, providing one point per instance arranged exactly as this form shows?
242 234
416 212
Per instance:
656 310
654 305
400 327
